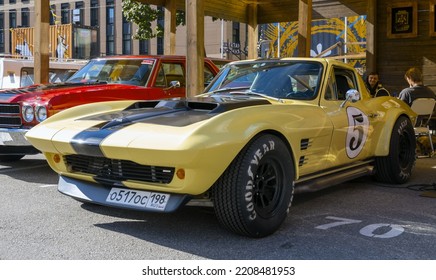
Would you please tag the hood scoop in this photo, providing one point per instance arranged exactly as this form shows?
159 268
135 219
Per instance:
177 112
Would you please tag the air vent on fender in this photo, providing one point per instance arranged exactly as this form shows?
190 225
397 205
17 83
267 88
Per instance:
305 143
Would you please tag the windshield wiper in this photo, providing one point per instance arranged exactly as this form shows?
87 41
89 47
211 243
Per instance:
228 89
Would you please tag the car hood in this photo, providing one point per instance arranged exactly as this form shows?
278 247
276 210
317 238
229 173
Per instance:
45 92
89 131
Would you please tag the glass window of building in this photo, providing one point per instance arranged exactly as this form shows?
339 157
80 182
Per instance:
144 46
65 13
12 1
2 32
127 36
12 18
80 6
12 24
52 15
160 40
94 13
235 33
110 27
25 14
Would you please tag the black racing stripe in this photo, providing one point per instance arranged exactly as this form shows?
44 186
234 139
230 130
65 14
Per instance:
88 141
177 112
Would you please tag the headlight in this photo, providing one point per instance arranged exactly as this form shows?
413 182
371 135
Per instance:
28 113
41 113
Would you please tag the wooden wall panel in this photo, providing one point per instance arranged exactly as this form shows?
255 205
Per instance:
395 56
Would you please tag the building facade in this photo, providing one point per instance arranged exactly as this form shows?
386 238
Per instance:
222 38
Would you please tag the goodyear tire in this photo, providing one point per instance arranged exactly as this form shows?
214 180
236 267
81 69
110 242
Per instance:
396 168
253 196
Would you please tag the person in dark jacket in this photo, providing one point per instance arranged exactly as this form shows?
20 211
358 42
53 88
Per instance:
416 87
374 85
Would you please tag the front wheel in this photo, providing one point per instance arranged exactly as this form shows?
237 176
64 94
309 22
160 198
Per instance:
396 167
254 194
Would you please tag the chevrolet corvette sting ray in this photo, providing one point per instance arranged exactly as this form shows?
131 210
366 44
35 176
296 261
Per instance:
262 131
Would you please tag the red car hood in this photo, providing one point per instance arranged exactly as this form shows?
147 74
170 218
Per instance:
46 92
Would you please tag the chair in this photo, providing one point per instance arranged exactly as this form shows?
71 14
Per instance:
424 108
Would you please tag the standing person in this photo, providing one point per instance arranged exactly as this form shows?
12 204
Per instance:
416 87
374 85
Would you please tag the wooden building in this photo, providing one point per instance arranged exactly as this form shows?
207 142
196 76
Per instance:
400 34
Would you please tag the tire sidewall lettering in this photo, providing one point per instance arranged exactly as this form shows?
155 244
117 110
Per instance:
251 171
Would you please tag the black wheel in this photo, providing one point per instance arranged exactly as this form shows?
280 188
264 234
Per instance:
396 168
253 196
9 158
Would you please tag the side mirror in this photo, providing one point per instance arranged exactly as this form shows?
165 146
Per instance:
174 84
351 95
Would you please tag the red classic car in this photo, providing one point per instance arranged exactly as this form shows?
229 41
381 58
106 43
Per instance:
102 79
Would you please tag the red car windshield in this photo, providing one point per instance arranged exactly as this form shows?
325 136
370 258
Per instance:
121 71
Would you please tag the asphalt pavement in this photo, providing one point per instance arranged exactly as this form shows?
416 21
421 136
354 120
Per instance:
357 220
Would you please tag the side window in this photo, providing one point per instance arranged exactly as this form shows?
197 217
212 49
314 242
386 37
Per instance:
344 80
160 78
172 72
26 77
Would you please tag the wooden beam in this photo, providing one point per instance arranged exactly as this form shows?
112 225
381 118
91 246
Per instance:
41 43
371 23
304 27
252 31
170 27
195 47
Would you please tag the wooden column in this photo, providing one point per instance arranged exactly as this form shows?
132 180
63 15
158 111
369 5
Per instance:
41 43
170 27
252 31
195 47
304 27
371 23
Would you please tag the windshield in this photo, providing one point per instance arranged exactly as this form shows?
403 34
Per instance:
122 71
278 79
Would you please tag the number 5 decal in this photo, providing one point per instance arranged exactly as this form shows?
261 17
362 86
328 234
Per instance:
357 132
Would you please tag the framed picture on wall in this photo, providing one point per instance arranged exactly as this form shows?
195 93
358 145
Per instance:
402 20
432 18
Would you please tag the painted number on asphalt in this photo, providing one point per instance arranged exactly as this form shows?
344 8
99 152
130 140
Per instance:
372 230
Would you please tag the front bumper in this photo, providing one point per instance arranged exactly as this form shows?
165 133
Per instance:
13 137
96 193
12 141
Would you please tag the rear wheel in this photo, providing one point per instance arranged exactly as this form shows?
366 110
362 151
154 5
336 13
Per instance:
254 194
396 167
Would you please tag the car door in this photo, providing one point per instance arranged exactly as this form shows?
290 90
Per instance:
352 127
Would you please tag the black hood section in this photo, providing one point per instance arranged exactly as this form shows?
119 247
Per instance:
173 112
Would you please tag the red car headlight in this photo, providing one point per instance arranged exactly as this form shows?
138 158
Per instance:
28 113
41 113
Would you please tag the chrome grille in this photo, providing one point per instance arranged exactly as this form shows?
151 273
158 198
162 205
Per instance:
9 109
10 115
118 170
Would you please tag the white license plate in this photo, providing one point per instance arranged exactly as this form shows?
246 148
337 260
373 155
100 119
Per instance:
147 200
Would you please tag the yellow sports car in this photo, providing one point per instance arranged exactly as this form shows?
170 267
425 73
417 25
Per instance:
262 131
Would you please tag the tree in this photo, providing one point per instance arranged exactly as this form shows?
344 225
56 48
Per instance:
144 15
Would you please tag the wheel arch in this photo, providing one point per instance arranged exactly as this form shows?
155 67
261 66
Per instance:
382 148
284 140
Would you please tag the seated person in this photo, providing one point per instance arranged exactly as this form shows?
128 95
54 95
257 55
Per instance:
374 85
